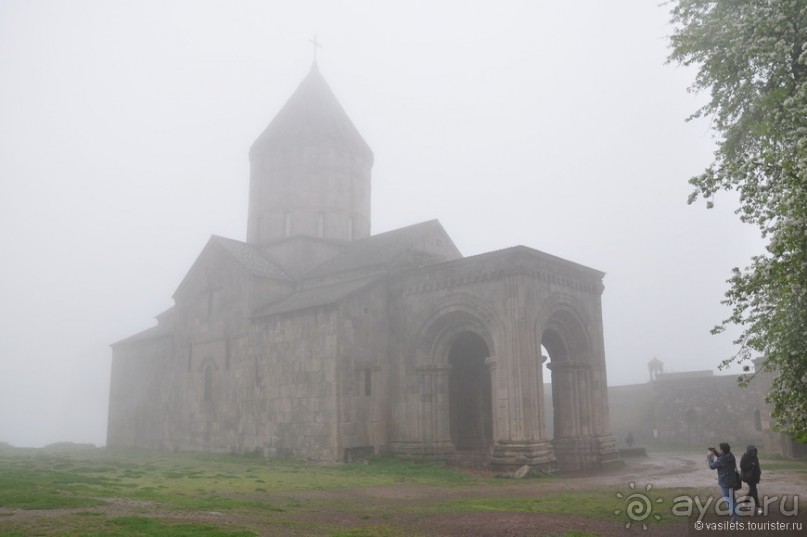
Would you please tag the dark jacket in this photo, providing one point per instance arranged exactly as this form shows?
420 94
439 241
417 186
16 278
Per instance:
749 466
725 464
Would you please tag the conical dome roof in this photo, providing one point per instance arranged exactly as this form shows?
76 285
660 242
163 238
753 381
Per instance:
312 117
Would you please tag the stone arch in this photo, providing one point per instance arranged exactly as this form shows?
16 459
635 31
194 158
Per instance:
564 316
455 402
453 314
566 339
443 332
564 331
457 344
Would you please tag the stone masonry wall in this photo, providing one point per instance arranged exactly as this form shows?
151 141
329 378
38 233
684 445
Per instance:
207 368
708 410
364 373
137 406
294 386
692 410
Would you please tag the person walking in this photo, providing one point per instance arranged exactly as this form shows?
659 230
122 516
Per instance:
725 464
750 472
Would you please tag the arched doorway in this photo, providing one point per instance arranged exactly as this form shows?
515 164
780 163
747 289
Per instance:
567 345
562 420
470 400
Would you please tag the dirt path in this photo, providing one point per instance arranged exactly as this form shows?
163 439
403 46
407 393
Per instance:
673 470
659 470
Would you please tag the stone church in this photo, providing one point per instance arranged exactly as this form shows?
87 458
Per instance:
315 339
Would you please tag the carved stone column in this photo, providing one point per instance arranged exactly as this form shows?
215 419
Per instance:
566 396
578 446
527 445
498 414
541 398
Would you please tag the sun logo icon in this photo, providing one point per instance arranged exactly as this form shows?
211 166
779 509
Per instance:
638 506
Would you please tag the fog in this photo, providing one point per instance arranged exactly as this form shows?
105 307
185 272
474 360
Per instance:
125 127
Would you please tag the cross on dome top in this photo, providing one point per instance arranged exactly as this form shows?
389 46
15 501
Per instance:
316 45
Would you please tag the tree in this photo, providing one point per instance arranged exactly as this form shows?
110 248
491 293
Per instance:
752 59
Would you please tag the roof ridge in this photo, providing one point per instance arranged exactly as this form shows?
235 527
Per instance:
374 248
259 264
315 297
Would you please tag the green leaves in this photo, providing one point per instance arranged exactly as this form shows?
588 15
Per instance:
752 58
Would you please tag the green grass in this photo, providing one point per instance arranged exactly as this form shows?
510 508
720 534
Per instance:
49 482
76 479
85 492
388 471
369 531
137 526
599 503
192 481
586 504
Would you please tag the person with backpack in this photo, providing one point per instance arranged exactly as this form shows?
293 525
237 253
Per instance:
726 466
750 473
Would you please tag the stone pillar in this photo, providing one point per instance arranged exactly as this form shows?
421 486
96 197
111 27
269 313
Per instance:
497 414
578 446
584 401
517 367
565 388
541 398
517 404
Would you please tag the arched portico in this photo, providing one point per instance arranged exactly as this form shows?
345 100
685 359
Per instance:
492 332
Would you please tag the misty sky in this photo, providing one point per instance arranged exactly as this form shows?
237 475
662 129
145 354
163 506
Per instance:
125 127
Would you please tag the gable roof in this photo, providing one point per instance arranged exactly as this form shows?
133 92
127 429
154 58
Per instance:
247 256
528 253
252 259
383 249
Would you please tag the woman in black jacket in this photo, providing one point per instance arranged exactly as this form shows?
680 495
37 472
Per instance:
750 473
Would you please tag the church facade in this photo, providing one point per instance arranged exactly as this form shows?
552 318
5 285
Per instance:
316 339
